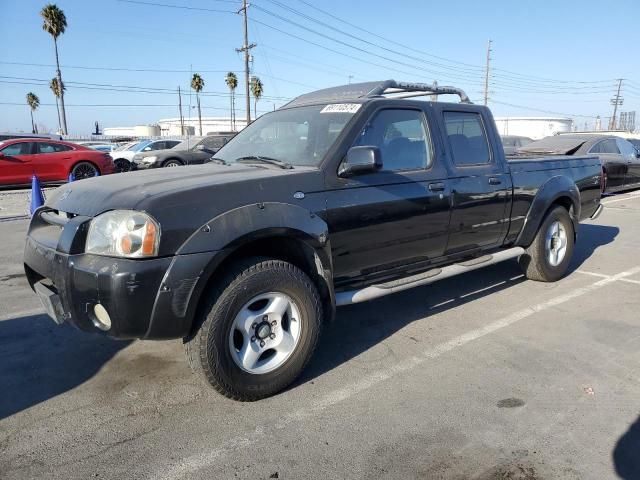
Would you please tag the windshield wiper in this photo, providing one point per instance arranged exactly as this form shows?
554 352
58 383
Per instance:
260 159
219 161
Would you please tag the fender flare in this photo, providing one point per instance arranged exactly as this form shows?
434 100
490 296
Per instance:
553 189
224 234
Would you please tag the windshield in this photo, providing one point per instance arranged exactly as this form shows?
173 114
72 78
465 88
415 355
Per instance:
297 136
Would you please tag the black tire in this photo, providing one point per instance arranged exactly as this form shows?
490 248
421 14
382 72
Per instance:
122 165
172 163
535 263
82 170
208 350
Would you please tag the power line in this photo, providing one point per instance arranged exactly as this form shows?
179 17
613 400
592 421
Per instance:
184 7
542 110
477 67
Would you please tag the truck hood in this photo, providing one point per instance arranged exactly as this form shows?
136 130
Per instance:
154 189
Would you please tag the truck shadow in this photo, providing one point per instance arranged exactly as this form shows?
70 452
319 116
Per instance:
358 328
39 360
626 455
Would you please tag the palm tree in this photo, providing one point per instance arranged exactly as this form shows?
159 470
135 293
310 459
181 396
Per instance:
232 82
55 23
197 83
257 90
57 92
34 102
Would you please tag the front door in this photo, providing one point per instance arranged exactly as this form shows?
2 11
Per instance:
629 153
383 221
480 184
15 163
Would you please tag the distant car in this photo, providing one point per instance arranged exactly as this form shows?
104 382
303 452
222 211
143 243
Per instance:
123 157
10 136
511 143
103 148
620 159
193 151
50 160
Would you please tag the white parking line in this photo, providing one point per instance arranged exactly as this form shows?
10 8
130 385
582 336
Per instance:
185 468
629 196
602 275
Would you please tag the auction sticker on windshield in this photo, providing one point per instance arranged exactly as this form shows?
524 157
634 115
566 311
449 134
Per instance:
341 108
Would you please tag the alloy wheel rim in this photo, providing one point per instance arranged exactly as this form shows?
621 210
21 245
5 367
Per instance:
265 332
556 243
84 170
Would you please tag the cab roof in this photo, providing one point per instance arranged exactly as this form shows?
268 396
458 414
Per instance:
360 92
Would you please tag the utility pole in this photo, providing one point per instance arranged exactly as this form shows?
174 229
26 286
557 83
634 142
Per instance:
246 47
486 73
180 109
615 101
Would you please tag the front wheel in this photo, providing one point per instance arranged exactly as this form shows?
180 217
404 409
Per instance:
257 330
172 163
547 258
121 165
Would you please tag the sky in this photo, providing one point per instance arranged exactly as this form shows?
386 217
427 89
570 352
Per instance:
122 60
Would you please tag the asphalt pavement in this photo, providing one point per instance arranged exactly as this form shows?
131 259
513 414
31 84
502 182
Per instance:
482 376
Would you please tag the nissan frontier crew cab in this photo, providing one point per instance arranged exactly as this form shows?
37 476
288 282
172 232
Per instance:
341 196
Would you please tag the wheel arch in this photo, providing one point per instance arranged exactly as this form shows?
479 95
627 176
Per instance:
77 162
557 191
282 231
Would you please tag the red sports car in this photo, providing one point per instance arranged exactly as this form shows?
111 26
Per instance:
50 160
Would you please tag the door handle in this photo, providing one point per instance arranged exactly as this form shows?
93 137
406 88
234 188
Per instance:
494 181
436 187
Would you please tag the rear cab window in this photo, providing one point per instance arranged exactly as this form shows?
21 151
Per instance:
467 138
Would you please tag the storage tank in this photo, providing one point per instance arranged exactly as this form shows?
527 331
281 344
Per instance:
174 130
147 130
533 127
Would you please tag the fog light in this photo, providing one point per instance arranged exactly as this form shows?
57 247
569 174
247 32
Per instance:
101 318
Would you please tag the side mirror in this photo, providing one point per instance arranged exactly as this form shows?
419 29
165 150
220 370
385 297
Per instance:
146 149
361 160
1 155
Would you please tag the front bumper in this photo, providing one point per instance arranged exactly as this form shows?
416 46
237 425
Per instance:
150 298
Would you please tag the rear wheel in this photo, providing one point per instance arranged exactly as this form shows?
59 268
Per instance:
257 330
84 170
547 258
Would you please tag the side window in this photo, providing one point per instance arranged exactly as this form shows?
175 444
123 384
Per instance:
52 147
157 146
171 143
213 143
22 148
605 146
401 136
626 148
467 138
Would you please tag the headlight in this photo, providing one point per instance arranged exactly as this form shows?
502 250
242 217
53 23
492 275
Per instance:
150 159
123 233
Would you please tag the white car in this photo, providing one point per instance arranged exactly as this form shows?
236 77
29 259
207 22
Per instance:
123 156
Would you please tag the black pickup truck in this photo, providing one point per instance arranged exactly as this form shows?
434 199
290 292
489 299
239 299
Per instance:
341 196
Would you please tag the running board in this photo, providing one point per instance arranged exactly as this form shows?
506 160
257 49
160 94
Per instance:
430 276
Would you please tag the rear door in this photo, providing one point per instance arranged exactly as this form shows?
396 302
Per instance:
612 161
15 163
51 160
395 218
480 182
